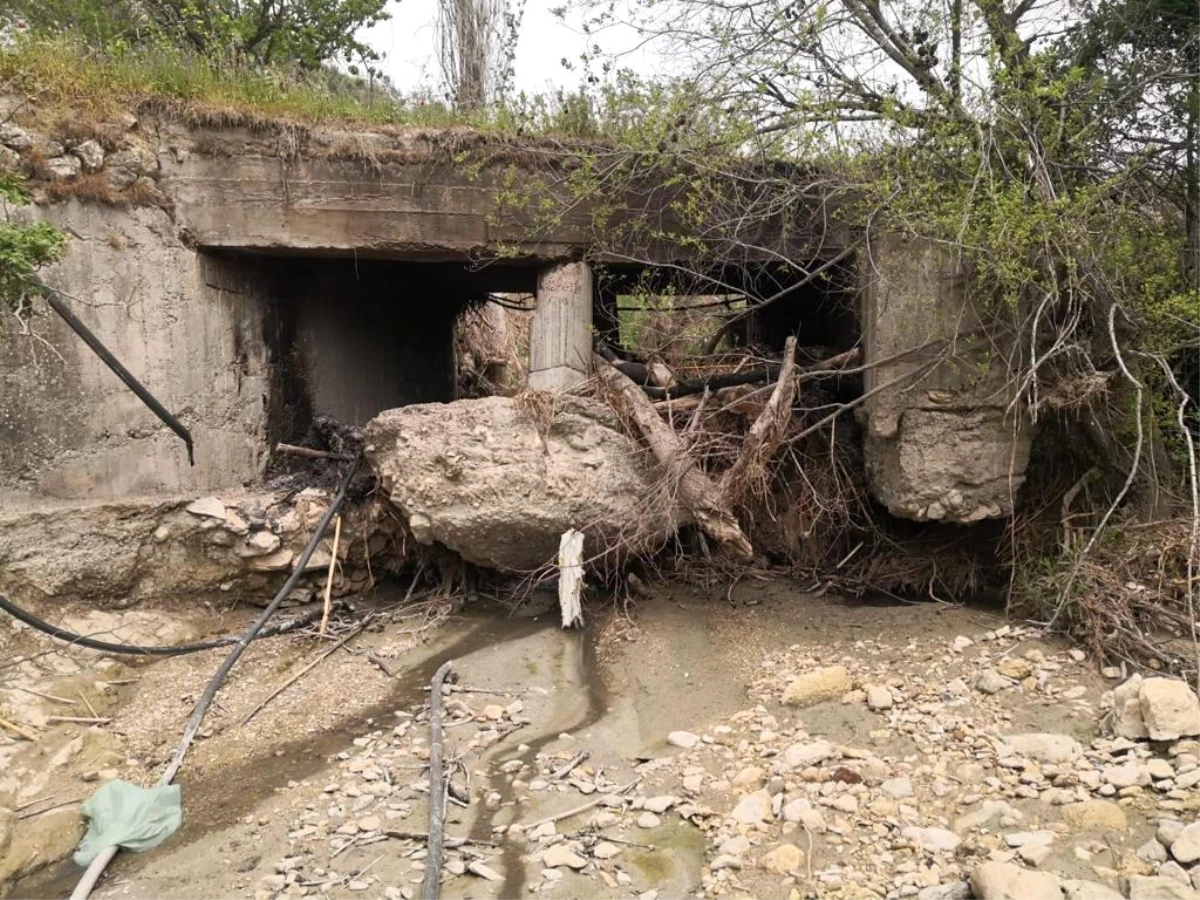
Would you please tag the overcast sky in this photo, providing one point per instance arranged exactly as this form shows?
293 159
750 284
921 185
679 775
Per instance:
409 40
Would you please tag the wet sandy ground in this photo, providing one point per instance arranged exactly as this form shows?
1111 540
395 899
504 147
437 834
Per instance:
681 661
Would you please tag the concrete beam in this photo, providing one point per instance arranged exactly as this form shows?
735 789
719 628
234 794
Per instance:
560 338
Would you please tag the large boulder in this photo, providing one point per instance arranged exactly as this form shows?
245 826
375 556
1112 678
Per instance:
499 480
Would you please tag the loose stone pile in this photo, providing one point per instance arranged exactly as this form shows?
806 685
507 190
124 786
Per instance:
940 794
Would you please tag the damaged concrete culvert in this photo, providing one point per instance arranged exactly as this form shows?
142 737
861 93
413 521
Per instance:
499 482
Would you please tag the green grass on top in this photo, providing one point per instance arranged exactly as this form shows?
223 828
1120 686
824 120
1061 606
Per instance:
65 72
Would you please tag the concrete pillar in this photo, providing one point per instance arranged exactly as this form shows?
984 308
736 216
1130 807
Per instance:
560 338
942 444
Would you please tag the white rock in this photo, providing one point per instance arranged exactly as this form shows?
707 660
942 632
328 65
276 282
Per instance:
483 871
1152 851
562 855
932 838
91 155
800 755
1170 709
1043 748
752 808
1126 775
660 804
605 850
879 698
802 811
683 739
725 862
1186 847
1027 838
989 681
962 642
15 137
1174 870
1006 881
62 168
210 507
897 788
261 543
951 890
648 820
1126 719
1148 887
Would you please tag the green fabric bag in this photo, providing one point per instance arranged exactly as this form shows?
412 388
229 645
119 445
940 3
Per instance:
131 817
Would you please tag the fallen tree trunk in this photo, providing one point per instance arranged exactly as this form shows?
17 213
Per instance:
766 434
697 492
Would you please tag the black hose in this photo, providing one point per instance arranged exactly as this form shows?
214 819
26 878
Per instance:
97 866
54 298
239 648
80 640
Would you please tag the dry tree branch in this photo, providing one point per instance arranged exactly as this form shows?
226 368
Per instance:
1065 598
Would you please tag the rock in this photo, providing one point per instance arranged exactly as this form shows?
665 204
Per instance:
1174 870
1089 890
605 850
1028 838
648 820
897 788
752 808
1153 887
989 681
932 838
962 642
210 507
1168 831
1043 748
1015 668
1005 881
562 855
10 160
725 862
15 137
802 811
951 890
818 686
488 874
1170 709
261 543
1098 815
478 477
1186 847
660 804
1153 852
273 562
369 823
801 755
748 775
988 810
783 859
879 698
1159 769
734 846
685 740
91 155
1126 718
63 168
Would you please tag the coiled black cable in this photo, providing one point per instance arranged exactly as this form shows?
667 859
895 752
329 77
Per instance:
80 640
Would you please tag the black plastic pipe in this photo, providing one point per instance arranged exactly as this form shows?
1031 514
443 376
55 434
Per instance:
55 298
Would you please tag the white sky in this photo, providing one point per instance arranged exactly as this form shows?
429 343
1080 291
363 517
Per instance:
409 40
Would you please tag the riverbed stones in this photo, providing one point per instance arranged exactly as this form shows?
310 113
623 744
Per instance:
753 808
1170 709
685 740
1043 748
1154 887
1186 847
817 686
209 507
1006 881
879 698
560 855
